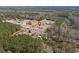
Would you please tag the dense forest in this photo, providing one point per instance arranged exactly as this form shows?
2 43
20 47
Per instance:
21 43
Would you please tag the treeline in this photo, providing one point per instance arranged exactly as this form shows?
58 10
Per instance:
32 15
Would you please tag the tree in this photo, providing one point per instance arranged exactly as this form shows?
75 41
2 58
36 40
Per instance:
23 43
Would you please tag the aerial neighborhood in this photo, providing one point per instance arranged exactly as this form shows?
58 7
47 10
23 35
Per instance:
32 27
39 29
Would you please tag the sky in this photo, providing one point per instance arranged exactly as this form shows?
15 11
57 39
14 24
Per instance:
39 2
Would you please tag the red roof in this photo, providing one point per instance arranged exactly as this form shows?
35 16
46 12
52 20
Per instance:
39 23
